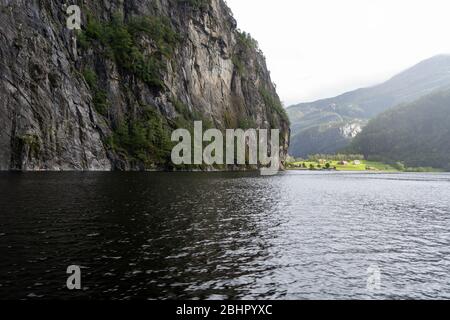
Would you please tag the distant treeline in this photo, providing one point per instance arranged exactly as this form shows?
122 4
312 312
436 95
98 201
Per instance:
334 157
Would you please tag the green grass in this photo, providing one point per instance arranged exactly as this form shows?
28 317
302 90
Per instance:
364 166
380 166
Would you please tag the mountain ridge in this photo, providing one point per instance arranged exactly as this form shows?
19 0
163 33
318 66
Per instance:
358 106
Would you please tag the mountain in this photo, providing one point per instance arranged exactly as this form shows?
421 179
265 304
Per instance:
417 133
139 70
315 122
326 138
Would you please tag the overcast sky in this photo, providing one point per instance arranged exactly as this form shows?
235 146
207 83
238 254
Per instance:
321 48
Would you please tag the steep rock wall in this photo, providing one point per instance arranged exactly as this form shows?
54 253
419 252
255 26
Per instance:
141 68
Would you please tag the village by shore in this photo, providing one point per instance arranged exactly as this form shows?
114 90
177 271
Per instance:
349 163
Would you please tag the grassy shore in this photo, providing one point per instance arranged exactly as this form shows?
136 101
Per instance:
339 166
354 166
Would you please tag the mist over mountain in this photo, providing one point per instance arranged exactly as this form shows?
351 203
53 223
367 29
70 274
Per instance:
417 133
330 124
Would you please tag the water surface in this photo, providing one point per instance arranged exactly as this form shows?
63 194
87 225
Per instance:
298 235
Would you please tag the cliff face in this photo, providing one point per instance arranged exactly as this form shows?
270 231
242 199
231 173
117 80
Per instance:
141 68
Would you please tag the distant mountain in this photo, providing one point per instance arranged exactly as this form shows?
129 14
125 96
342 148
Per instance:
417 133
326 138
317 126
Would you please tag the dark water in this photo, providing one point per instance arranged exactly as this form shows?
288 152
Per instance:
197 236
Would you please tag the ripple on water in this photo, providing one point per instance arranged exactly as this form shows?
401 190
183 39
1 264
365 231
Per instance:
236 235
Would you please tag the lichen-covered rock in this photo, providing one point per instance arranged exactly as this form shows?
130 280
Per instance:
139 69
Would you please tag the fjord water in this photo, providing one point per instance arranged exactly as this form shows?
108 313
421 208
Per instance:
224 235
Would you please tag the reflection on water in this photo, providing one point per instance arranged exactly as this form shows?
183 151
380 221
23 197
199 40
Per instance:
224 235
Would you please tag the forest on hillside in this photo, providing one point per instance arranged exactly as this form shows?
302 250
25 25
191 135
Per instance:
416 134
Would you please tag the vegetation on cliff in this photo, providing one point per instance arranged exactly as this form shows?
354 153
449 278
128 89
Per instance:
119 40
152 50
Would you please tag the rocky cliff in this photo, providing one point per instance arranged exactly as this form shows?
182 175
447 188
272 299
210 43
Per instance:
108 96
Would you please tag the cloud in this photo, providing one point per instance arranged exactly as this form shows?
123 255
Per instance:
316 49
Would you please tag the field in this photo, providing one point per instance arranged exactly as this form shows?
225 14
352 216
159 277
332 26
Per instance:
337 165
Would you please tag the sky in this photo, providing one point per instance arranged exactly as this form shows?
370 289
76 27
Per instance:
321 48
